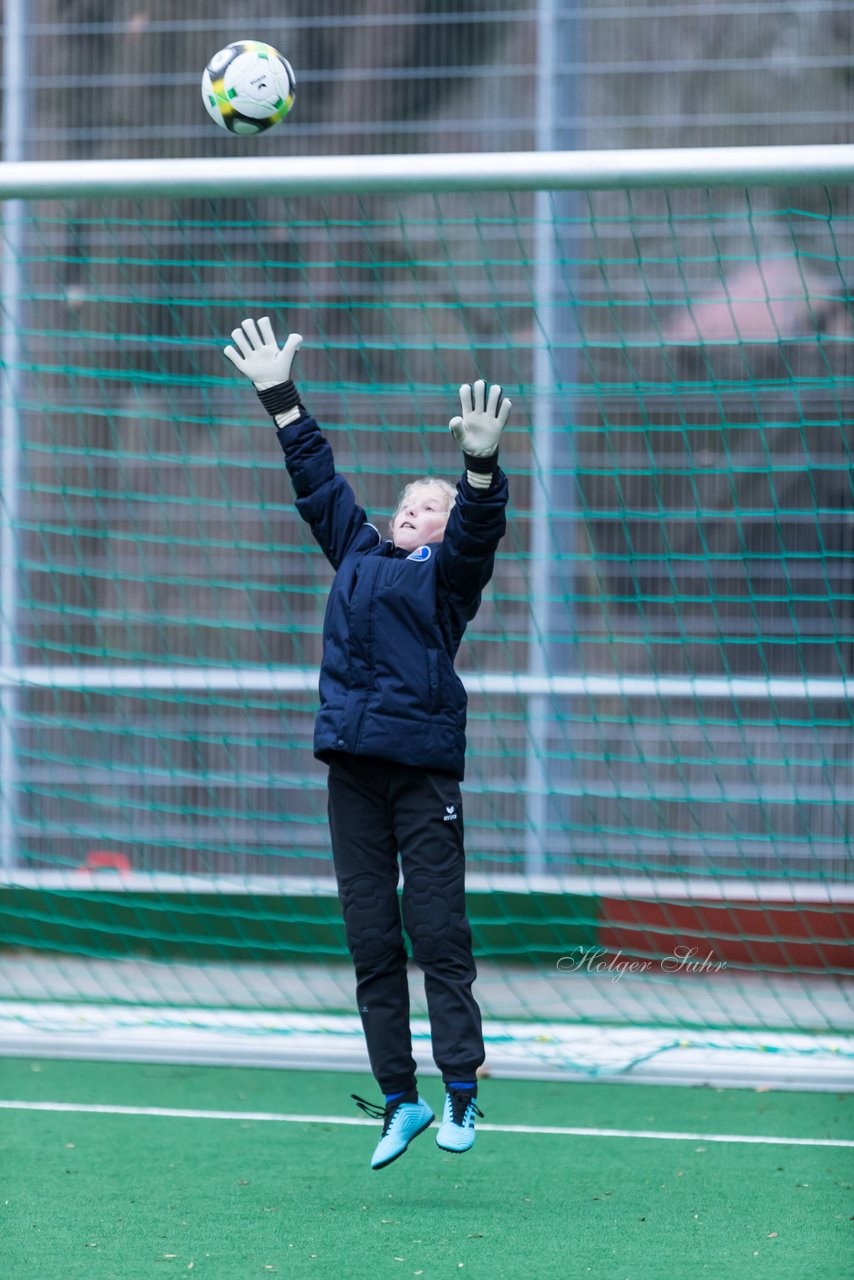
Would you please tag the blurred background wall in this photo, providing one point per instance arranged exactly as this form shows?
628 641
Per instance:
121 79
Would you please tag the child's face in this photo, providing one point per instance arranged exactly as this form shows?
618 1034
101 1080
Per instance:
421 517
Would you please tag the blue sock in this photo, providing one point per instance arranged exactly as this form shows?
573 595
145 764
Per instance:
392 1097
470 1086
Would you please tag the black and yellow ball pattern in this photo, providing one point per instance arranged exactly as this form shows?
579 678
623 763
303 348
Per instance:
248 87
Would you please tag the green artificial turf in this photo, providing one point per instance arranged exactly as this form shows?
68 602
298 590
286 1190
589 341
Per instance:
135 1197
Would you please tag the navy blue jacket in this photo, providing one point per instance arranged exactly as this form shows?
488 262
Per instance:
394 620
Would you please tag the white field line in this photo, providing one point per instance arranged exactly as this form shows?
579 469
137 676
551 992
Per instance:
266 1117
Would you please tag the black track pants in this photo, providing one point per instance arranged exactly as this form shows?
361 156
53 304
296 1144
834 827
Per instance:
378 809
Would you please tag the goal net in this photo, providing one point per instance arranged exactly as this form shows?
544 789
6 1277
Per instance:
660 777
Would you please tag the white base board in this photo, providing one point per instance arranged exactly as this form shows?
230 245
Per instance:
728 1058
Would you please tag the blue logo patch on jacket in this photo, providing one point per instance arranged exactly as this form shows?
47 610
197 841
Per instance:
420 553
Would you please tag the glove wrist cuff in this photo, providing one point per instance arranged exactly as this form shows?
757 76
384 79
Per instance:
484 466
281 398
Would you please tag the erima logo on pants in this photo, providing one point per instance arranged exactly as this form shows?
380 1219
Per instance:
450 814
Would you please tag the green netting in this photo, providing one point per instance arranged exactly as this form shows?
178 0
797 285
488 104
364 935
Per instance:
660 675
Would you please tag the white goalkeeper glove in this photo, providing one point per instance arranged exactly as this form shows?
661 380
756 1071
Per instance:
478 431
258 356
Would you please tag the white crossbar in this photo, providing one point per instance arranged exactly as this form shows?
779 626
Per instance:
304 679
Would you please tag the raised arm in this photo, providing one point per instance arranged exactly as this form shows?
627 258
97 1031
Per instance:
324 499
477 521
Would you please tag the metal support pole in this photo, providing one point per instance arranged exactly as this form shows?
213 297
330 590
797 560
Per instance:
554 129
536 770
14 47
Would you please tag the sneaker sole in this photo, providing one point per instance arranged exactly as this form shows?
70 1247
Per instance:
454 1151
385 1164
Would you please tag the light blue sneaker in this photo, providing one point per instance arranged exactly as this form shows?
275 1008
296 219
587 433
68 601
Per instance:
402 1121
456 1132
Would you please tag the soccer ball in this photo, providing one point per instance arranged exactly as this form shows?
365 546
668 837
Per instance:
248 87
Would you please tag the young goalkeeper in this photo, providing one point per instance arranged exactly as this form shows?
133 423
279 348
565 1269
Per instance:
391 728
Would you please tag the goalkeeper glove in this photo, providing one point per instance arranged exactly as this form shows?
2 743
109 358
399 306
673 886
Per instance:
258 356
478 431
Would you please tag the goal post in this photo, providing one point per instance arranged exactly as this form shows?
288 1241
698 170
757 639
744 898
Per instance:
660 677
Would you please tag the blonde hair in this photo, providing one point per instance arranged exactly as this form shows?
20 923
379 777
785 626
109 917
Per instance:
445 487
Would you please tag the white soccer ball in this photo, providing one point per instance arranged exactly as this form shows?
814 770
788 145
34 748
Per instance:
248 87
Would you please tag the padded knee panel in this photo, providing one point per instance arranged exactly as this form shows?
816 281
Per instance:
435 920
372 924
